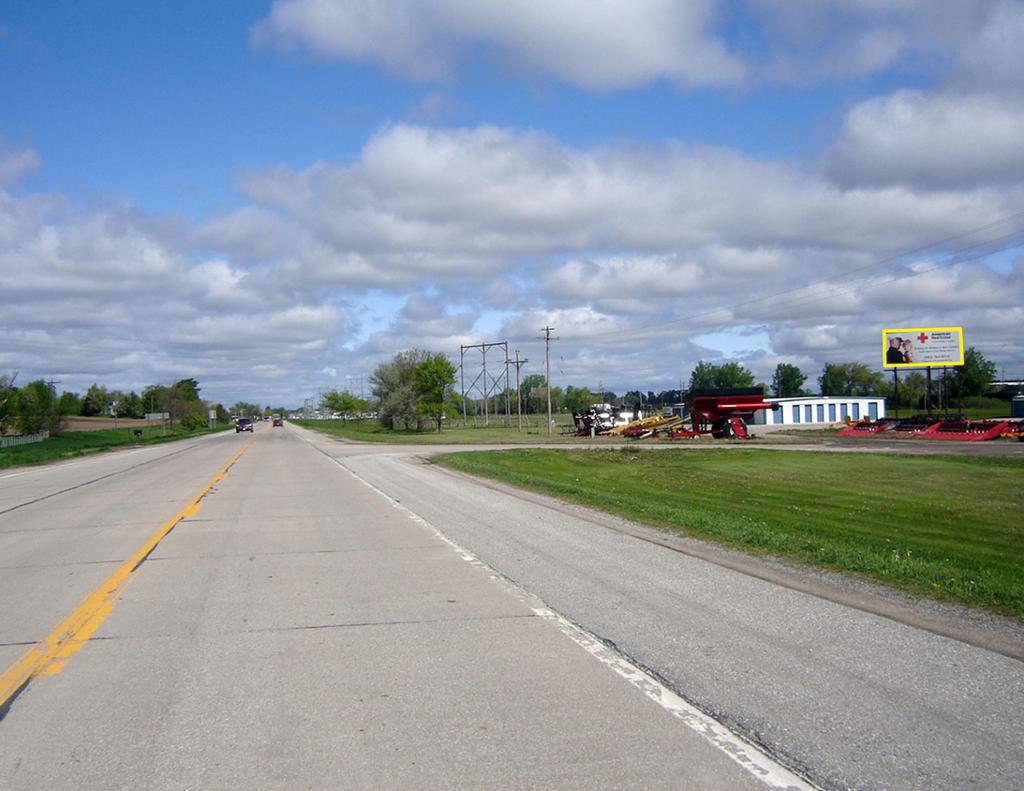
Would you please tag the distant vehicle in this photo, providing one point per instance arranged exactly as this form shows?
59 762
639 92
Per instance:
243 424
278 421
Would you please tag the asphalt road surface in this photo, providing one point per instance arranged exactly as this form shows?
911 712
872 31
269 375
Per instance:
290 611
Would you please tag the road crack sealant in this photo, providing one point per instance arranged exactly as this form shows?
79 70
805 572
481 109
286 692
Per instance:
754 759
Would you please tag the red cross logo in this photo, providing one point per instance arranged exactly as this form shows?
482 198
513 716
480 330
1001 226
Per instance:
922 338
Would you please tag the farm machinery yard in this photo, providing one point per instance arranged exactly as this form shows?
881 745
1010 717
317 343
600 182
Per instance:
718 413
726 414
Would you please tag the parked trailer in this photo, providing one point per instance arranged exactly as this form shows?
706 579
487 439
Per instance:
723 413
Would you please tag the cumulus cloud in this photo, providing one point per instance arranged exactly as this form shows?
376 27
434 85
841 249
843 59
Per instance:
615 45
439 237
93 295
599 46
931 141
430 202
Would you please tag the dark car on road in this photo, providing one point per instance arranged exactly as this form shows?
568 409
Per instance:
278 421
243 424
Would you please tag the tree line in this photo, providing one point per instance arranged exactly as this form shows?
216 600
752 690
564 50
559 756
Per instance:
36 406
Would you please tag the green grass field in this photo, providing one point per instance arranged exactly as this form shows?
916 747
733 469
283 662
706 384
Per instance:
948 527
82 443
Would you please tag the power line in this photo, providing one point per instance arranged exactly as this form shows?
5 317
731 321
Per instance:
547 366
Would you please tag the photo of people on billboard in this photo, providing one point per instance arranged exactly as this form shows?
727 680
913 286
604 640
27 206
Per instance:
922 346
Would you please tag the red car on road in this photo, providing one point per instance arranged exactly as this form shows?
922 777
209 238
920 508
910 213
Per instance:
243 424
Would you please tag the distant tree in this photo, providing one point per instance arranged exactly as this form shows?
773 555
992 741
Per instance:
973 377
578 399
95 401
341 403
130 405
851 379
156 398
69 404
186 389
707 376
788 380
245 409
526 388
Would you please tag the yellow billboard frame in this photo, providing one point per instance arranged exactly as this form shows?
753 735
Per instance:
914 331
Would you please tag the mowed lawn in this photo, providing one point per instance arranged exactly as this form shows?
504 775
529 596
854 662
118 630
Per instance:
82 443
950 527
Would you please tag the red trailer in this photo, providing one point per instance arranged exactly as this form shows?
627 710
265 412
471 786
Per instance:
723 413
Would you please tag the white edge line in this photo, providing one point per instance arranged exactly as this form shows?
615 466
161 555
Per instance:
748 756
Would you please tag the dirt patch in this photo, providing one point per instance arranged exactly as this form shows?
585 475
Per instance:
100 423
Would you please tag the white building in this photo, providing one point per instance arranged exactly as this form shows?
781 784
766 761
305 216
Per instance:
821 410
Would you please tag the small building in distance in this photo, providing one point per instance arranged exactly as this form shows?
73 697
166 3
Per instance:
820 410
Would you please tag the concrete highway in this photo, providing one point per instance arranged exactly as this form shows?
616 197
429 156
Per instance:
290 611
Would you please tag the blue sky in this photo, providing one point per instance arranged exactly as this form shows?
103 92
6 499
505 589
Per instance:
257 193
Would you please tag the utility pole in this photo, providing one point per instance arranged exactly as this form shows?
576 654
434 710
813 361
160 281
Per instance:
519 397
547 367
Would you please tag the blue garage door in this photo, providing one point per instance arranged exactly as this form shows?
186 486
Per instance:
832 413
873 410
796 413
821 413
856 410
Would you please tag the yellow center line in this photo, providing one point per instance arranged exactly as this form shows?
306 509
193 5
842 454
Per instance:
49 655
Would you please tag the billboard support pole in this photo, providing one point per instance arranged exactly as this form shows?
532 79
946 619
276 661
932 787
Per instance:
928 391
896 391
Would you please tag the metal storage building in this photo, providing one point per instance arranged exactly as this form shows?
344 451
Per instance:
821 410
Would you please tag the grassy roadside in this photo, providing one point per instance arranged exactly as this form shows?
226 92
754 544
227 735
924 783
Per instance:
82 443
453 434
948 527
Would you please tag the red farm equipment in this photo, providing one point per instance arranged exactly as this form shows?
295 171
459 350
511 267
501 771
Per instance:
723 413
928 427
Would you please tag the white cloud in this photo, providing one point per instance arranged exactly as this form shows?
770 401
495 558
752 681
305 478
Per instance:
602 46
932 141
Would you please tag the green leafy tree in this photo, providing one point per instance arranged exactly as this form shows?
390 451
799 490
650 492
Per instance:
130 405
432 379
526 388
245 409
913 386
10 398
156 398
37 409
95 400
973 377
69 404
788 380
578 399
851 379
707 376
186 389
394 387
342 403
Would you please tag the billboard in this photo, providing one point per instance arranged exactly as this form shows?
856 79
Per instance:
918 347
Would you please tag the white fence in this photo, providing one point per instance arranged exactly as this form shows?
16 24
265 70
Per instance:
23 439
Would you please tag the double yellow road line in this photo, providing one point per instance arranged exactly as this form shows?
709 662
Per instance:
50 654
